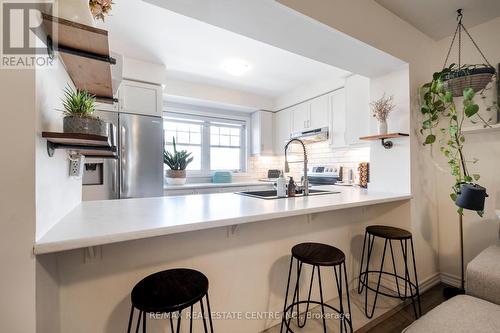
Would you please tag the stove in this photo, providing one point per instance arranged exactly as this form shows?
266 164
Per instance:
324 175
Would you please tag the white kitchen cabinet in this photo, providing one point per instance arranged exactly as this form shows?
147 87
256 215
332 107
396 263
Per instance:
337 135
357 106
319 114
282 130
300 116
262 134
140 98
311 114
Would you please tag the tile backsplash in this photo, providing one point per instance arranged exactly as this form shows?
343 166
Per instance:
318 154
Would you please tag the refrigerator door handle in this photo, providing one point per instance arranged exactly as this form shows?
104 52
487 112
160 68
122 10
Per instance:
123 160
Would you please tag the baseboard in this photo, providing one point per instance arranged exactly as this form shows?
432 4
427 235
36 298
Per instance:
450 279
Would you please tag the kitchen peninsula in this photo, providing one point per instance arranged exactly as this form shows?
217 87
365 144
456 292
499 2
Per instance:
241 243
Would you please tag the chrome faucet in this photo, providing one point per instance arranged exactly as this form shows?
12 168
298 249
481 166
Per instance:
305 181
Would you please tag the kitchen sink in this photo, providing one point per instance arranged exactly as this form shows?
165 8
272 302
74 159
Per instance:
272 194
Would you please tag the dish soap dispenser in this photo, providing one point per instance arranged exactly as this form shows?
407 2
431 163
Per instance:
281 186
291 188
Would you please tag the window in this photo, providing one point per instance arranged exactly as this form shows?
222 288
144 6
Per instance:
216 144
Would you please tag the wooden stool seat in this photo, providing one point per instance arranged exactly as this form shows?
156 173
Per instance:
318 254
169 291
388 232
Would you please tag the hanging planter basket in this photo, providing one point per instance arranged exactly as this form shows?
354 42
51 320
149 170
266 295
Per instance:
476 78
461 77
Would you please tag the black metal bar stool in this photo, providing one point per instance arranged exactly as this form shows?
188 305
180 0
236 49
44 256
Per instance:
389 235
170 292
317 255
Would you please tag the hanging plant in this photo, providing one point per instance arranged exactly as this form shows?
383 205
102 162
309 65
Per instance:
443 117
439 108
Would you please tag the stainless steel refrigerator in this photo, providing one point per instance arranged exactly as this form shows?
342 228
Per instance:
138 171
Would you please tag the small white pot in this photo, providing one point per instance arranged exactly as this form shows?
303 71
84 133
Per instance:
176 177
382 127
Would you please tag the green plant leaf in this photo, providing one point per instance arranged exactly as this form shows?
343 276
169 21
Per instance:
430 139
468 94
453 196
471 110
476 176
426 124
448 97
425 109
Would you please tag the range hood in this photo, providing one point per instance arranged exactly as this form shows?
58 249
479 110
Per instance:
310 136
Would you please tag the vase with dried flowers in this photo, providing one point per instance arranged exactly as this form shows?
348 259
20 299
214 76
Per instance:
100 8
380 110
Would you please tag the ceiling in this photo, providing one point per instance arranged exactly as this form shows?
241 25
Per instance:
195 51
437 18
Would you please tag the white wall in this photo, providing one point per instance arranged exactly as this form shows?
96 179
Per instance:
212 93
478 232
307 91
390 168
17 201
56 193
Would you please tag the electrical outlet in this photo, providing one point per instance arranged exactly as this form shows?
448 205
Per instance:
76 166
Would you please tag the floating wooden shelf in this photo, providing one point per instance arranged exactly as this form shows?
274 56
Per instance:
84 50
85 144
384 137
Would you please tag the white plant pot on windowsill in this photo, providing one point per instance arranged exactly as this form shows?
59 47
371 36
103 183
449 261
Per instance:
176 177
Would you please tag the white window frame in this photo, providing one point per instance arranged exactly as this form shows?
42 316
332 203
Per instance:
241 122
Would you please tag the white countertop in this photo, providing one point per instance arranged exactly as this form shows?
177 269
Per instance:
215 185
95 223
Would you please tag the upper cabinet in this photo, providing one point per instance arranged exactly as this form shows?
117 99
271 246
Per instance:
262 135
136 98
311 114
140 98
320 112
283 129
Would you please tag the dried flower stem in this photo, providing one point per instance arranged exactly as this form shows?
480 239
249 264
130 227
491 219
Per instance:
382 107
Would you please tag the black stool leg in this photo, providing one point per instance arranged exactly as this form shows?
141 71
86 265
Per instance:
130 318
308 303
370 315
339 291
283 318
138 322
296 295
144 322
203 316
348 300
209 315
179 322
191 321
171 322
416 279
395 270
322 301
407 270
360 286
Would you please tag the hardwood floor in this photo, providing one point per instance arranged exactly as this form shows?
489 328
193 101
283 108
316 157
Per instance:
395 322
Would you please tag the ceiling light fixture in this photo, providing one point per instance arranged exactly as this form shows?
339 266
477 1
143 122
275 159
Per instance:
235 67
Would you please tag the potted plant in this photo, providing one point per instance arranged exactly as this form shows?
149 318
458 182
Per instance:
79 106
177 162
381 109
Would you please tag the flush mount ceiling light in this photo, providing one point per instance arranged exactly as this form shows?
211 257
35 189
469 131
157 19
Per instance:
235 67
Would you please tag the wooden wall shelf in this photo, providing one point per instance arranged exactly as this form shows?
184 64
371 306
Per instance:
383 137
84 50
85 144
